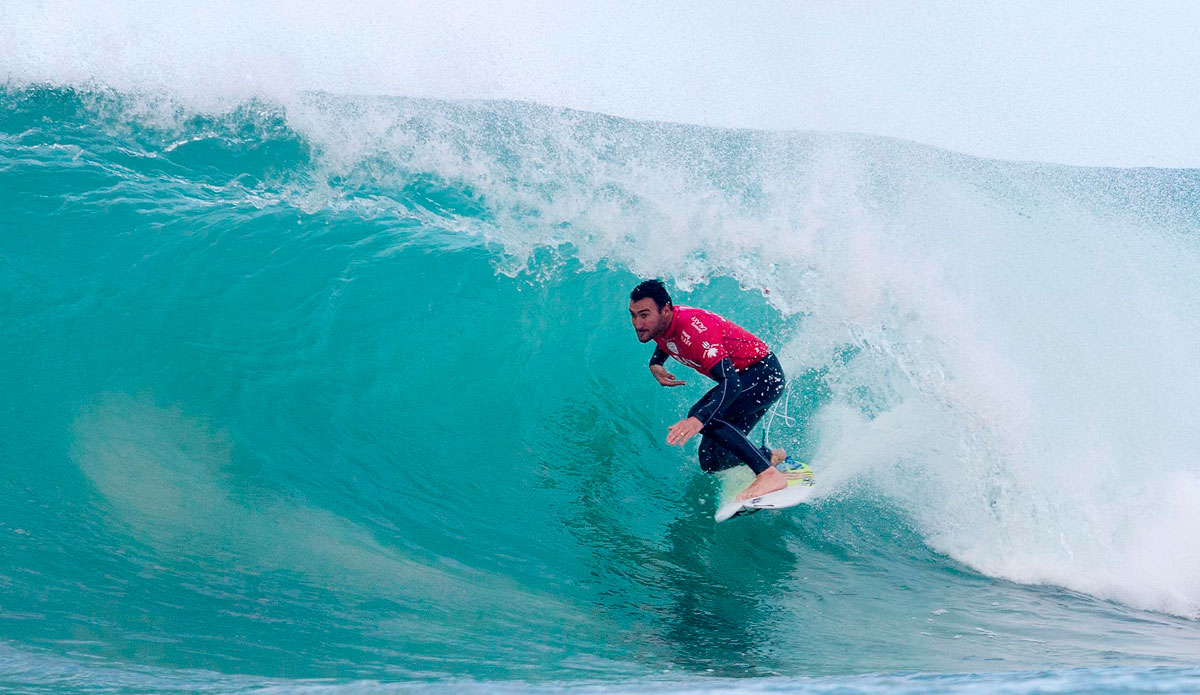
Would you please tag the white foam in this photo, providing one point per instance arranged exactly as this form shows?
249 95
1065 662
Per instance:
1065 81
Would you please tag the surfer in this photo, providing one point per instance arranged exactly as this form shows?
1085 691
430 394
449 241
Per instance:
749 379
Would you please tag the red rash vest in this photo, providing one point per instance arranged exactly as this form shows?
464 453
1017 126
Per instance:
700 339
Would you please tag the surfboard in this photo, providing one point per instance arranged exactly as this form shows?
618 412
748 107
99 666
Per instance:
801 484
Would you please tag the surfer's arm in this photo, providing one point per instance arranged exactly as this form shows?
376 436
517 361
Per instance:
660 372
714 403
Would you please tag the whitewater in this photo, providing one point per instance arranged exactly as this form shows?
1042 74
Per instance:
318 392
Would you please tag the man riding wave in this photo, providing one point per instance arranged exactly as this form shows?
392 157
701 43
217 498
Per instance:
748 375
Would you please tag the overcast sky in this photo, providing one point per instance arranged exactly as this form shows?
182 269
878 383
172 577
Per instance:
1065 81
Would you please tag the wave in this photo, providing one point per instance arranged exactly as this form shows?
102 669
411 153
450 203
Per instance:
336 358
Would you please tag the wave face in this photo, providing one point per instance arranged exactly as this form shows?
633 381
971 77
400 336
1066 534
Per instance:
345 388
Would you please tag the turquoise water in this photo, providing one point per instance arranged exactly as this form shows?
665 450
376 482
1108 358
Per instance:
339 395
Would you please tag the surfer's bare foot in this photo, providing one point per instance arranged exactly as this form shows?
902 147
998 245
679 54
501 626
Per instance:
777 456
769 480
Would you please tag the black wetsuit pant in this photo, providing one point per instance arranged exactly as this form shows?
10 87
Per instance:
726 443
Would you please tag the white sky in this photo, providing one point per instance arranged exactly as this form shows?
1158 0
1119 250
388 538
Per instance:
1058 80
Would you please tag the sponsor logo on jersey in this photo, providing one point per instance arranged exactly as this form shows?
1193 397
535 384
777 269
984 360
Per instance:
698 324
687 339
673 347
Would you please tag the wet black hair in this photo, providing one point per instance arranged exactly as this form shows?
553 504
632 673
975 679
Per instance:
653 289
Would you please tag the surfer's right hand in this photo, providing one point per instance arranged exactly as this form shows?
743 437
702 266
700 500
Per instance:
664 377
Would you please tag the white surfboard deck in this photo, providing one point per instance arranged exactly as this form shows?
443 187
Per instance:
801 484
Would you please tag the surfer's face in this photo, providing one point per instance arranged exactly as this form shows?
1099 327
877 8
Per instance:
648 320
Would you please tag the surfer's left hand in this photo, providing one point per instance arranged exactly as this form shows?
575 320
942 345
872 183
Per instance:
682 431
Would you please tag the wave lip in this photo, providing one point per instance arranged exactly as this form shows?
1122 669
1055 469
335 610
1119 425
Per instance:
760 67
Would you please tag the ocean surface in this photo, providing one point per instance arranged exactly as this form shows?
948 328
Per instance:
339 395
